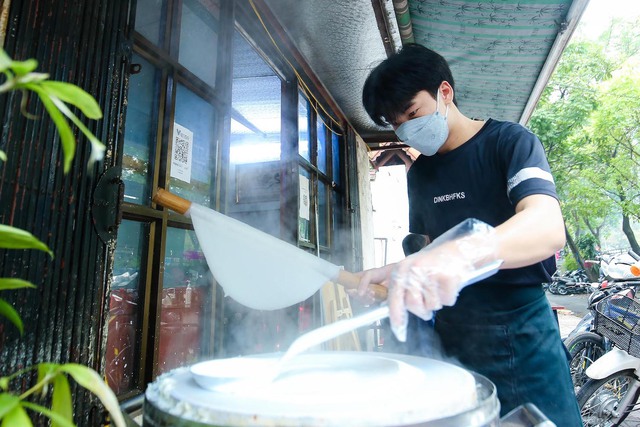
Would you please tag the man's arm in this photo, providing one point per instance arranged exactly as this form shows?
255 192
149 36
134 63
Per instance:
533 234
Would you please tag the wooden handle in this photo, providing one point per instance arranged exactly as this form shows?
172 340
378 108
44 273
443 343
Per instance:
171 201
351 281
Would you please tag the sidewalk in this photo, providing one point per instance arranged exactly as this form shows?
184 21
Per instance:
567 321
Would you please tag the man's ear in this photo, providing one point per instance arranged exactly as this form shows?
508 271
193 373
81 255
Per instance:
447 91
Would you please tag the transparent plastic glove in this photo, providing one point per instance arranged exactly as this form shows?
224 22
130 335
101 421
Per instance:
432 278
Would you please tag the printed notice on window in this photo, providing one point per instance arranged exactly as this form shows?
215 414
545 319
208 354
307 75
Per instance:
181 153
304 198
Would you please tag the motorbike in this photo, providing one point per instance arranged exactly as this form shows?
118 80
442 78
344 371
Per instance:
613 387
583 343
572 282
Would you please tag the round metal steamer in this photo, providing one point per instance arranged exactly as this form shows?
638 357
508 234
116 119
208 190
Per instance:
322 389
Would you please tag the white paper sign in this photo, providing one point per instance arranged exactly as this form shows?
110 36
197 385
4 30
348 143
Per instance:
181 153
304 198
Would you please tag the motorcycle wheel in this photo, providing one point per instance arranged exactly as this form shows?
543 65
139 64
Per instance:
598 399
584 348
553 287
562 290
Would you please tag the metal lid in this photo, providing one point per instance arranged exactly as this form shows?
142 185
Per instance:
320 389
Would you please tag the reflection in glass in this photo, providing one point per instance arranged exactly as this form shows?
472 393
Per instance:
305 204
323 214
186 288
123 331
335 157
253 183
256 101
304 137
199 38
195 116
140 132
322 145
149 20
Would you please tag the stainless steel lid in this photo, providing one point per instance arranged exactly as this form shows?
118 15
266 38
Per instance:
324 389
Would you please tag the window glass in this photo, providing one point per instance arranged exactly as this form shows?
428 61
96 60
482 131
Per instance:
323 214
321 131
123 330
199 38
140 132
335 157
256 101
186 288
149 19
305 206
192 157
304 138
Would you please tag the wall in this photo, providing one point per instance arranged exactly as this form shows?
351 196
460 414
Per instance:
365 205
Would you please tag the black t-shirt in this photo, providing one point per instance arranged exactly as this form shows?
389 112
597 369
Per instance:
484 178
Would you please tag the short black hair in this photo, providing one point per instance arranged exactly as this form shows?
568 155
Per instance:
396 81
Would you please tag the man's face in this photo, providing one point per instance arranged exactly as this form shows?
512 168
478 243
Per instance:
421 105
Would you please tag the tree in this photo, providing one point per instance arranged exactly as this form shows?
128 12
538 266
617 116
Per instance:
587 120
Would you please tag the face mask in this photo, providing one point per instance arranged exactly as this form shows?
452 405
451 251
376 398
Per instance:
426 133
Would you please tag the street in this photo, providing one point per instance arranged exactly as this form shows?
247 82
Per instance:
576 303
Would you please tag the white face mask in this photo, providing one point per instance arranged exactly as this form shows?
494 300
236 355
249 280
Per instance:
426 133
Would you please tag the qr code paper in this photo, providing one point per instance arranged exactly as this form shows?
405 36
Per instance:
181 153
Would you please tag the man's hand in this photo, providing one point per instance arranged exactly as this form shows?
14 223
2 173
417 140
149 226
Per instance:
432 278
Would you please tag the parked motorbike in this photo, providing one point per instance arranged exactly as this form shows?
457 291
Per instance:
583 343
613 387
571 282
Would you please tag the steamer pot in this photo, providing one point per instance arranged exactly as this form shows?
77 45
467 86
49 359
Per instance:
328 389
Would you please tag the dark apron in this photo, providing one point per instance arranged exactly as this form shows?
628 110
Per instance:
511 336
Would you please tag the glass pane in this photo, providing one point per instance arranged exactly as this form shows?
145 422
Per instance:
140 132
335 157
192 151
323 213
150 19
186 288
123 332
256 100
254 167
304 138
321 131
199 38
305 207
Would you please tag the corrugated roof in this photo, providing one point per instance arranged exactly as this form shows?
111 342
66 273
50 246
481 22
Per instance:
501 52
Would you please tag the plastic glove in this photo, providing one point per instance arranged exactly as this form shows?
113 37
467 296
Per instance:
432 278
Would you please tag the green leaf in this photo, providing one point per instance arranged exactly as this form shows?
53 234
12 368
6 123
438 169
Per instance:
5 61
17 417
61 399
74 95
4 383
7 403
16 238
10 283
53 416
89 379
22 68
23 80
66 135
97 147
10 313
3 156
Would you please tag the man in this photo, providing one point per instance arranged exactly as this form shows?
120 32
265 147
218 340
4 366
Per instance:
496 173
